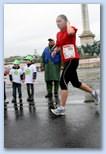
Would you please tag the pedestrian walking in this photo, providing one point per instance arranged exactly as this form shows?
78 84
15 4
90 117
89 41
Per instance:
66 43
16 76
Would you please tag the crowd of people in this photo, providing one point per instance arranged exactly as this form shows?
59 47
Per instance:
63 51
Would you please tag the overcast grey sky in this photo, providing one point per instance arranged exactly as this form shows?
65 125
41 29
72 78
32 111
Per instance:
28 26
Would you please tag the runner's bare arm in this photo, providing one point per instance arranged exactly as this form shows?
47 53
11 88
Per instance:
56 49
70 29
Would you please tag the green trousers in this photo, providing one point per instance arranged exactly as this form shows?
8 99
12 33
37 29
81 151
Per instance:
49 85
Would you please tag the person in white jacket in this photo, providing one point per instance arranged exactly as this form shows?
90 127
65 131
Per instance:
30 74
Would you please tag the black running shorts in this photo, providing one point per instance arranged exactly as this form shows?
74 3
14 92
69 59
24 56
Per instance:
69 74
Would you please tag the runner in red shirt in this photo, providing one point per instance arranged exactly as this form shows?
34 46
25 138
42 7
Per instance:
66 44
63 38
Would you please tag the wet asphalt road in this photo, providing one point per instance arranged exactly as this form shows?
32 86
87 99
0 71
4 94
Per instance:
80 128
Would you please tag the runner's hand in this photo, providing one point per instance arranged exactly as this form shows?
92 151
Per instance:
53 53
70 29
68 24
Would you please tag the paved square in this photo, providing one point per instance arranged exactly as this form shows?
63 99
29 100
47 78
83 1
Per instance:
80 128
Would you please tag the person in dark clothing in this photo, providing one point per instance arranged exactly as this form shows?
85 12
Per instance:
16 76
52 70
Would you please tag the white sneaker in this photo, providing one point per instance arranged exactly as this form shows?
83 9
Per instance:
97 101
58 111
96 97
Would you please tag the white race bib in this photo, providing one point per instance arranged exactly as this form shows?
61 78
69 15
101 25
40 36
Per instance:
68 51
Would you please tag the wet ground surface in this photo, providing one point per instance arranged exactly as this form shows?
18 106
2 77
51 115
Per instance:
80 128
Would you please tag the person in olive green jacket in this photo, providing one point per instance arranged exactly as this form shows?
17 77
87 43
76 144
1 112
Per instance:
52 69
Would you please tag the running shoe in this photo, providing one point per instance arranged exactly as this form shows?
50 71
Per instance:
58 111
97 101
96 97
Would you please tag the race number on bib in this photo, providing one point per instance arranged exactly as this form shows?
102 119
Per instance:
68 51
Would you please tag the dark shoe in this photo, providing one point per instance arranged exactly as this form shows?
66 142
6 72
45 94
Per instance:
31 103
20 100
32 99
15 106
21 106
14 100
6 101
28 99
51 105
47 96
